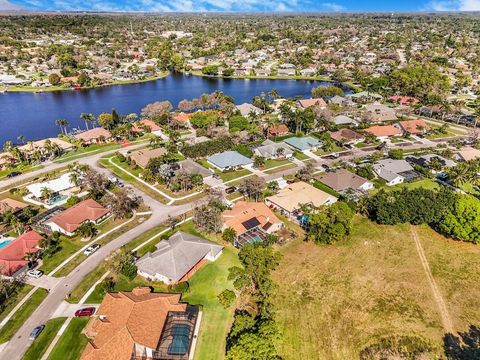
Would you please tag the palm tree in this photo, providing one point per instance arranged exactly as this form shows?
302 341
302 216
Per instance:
21 138
273 94
7 146
87 118
87 230
62 123
46 193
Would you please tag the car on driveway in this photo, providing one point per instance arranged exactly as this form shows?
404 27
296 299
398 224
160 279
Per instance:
35 273
35 332
13 174
89 311
91 249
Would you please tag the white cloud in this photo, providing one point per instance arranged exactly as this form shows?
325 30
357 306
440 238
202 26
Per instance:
7 5
454 5
333 6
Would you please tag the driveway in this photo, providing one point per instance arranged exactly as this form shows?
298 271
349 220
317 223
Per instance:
46 282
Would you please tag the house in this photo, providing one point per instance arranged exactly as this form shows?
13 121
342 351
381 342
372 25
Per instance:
286 72
384 132
229 160
42 145
308 72
403 100
279 130
379 113
251 222
306 103
192 167
395 171
181 119
426 160
303 144
143 156
347 136
246 109
68 221
365 96
342 180
11 205
59 189
139 325
340 100
414 127
467 153
177 258
343 120
289 199
273 150
95 135
139 127
13 252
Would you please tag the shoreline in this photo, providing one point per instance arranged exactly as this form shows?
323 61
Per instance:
30 89
274 77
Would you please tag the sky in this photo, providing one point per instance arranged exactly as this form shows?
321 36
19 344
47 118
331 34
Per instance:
242 5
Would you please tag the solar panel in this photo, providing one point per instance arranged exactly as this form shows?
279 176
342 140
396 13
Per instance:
251 223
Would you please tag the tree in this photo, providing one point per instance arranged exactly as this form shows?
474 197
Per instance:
211 70
396 154
226 298
258 161
87 118
158 111
252 187
122 203
463 220
326 91
95 183
329 224
106 120
208 217
46 193
54 79
62 123
120 262
87 230
50 244
306 172
229 235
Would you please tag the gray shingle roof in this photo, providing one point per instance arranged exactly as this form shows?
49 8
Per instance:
303 143
175 256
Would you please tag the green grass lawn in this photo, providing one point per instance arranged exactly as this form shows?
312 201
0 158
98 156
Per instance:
425 183
335 148
68 246
300 156
40 344
88 150
23 168
231 175
72 342
291 165
130 179
470 189
22 314
270 163
21 291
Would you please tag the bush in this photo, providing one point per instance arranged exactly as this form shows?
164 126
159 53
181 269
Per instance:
129 271
107 285
181 287
72 200
226 298
403 347
120 157
207 148
244 149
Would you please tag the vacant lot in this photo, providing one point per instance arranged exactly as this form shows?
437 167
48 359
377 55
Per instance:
333 301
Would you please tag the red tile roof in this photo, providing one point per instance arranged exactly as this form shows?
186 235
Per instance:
12 256
416 126
305 103
279 130
387 130
94 134
72 218
146 123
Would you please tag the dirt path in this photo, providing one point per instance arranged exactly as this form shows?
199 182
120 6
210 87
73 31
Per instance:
442 307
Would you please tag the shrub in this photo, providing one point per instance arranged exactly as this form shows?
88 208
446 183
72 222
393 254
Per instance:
72 200
226 298
129 270
181 287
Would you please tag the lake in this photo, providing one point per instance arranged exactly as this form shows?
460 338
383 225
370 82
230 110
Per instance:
33 115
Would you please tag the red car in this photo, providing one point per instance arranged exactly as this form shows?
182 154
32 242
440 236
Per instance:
85 312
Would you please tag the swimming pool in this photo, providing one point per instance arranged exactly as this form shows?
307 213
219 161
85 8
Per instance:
56 199
181 340
4 243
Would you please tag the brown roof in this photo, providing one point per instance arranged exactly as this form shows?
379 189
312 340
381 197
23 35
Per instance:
387 130
342 180
305 103
416 126
181 118
137 127
72 218
346 135
128 318
243 211
11 205
94 134
281 129
141 157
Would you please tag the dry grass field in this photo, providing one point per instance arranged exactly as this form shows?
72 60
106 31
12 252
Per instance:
333 301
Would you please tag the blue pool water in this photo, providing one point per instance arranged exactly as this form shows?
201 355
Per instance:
255 239
4 243
56 199
180 342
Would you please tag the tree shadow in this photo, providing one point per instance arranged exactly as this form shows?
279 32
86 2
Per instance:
465 346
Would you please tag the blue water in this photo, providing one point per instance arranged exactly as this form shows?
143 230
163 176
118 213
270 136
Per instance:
56 199
180 341
33 115
4 243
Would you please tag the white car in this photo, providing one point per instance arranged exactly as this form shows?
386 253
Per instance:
35 273
91 249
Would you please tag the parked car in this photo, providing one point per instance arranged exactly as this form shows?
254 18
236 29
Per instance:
91 249
230 189
35 273
85 312
13 174
35 332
